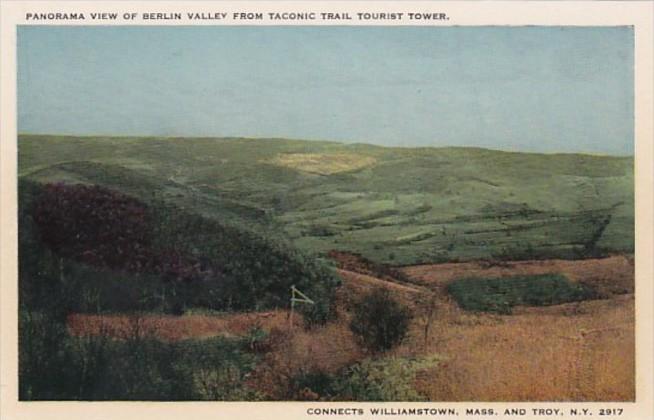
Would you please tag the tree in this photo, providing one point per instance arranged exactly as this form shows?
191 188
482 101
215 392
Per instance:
380 322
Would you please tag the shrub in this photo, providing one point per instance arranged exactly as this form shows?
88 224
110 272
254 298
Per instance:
257 340
322 311
380 322
387 379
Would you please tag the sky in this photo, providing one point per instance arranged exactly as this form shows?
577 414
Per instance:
540 89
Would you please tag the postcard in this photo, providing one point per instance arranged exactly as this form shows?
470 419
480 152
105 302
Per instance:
310 210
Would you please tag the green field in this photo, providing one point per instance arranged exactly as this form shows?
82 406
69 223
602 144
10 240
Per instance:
502 294
395 205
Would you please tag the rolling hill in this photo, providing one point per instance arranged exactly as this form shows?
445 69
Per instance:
160 269
399 206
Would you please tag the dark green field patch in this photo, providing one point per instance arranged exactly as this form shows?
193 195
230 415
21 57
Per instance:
502 294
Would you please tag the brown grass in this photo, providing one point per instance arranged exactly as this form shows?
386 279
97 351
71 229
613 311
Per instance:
574 352
581 351
174 328
325 349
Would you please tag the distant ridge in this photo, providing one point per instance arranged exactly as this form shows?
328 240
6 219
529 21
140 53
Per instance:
318 141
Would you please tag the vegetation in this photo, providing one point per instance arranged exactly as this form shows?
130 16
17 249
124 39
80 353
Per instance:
115 253
56 366
390 379
400 206
133 364
380 321
386 379
502 294
138 228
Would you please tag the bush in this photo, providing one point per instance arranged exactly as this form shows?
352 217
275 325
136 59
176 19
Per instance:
380 322
387 379
322 311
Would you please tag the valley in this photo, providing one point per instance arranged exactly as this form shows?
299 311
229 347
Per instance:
161 268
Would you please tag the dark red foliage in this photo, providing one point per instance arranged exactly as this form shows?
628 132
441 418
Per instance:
91 223
105 228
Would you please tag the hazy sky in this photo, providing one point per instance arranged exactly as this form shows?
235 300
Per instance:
522 88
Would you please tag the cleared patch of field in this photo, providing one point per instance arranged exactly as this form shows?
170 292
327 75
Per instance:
323 163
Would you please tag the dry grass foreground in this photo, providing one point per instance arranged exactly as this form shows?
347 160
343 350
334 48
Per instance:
572 352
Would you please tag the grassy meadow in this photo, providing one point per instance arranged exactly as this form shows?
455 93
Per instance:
160 269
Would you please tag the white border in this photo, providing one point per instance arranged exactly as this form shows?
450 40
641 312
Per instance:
638 14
